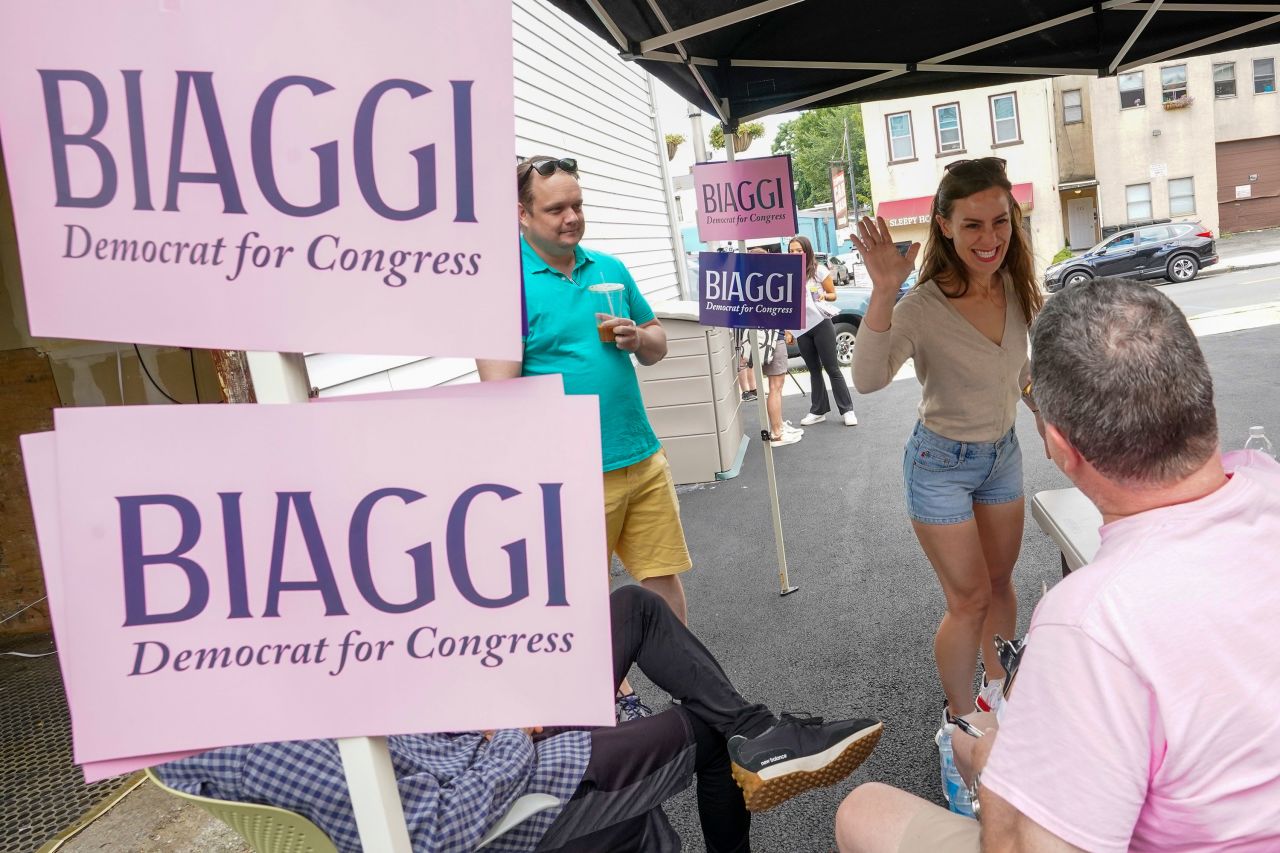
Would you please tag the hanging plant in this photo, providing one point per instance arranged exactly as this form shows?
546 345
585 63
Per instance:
674 141
741 140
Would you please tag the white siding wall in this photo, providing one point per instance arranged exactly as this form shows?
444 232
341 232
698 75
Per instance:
574 97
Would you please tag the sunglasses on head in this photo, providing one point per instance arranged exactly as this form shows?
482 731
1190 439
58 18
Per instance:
546 168
986 164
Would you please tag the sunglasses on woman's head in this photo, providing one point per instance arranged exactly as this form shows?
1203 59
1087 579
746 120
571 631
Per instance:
546 168
986 164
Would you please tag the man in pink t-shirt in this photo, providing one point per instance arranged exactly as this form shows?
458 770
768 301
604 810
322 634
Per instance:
1143 717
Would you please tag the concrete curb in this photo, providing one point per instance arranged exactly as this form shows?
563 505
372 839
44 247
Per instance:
1220 267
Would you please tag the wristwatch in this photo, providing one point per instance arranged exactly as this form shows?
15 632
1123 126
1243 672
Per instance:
973 795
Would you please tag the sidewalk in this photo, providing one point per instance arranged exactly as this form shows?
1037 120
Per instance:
1247 250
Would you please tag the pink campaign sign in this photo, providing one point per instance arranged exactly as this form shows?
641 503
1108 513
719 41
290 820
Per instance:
301 175
358 578
40 458
745 199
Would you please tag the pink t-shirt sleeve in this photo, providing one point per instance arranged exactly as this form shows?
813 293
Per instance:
1074 751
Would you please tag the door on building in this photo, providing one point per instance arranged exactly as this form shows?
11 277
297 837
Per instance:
1248 184
1080 222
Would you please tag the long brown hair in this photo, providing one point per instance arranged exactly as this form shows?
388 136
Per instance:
941 263
810 260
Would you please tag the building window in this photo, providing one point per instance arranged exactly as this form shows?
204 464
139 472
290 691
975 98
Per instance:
901 145
946 122
1072 107
1264 76
1224 80
1138 201
1131 90
1173 82
1004 119
1182 196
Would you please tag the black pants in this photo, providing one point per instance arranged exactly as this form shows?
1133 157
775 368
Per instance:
818 349
635 766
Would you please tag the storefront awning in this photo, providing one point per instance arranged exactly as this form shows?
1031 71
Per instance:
915 211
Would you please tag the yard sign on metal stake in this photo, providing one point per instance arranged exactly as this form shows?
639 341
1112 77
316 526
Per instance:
762 412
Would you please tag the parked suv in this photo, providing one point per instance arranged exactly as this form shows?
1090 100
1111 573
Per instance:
1176 251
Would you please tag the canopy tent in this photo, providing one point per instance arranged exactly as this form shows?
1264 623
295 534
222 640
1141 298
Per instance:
742 62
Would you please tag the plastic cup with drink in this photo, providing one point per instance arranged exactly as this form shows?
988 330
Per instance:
608 305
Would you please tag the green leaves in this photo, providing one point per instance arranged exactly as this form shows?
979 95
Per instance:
814 141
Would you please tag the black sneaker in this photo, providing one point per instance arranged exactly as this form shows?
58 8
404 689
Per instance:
629 707
797 754
748 396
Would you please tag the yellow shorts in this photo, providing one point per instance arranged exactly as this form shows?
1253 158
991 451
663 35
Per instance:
934 828
642 519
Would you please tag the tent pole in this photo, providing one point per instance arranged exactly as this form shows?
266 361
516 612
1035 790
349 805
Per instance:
762 411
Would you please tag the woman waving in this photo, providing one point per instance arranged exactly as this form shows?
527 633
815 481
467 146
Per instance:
965 325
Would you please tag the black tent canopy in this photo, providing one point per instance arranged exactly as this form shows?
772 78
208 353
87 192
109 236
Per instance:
743 61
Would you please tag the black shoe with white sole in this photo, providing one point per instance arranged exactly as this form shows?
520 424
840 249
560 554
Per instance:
797 754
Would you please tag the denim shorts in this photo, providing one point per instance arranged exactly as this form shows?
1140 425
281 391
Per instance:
945 478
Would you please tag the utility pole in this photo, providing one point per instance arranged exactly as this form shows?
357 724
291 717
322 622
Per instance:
699 139
853 173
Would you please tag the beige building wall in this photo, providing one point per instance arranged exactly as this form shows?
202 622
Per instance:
1031 160
1073 140
1148 144
1248 115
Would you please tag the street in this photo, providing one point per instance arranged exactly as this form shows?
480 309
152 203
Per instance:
1216 291
856 639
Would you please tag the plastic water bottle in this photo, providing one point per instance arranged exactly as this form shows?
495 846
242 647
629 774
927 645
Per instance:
953 786
1258 441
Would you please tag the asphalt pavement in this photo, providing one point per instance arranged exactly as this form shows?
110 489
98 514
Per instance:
856 639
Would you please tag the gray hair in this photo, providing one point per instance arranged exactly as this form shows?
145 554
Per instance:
1117 370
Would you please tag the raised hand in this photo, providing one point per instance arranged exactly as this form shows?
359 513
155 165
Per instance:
887 267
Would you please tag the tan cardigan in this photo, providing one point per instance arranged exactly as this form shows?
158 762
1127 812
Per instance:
971 386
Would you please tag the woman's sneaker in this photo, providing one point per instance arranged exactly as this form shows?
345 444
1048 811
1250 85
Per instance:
991 696
797 754
785 438
787 427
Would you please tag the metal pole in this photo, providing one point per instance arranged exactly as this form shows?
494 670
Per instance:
853 175
762 410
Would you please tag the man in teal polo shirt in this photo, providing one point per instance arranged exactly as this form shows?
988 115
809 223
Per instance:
642 515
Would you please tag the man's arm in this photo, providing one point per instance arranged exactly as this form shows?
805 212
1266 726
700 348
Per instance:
1004 828
492 369
648 342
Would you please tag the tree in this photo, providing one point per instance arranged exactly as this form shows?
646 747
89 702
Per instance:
814 141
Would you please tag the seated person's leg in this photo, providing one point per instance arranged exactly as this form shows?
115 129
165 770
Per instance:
877 818
773 759
634 768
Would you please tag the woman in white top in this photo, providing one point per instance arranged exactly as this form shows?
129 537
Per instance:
817 341
965 325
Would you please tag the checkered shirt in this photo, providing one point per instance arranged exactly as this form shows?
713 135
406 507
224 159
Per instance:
453 786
